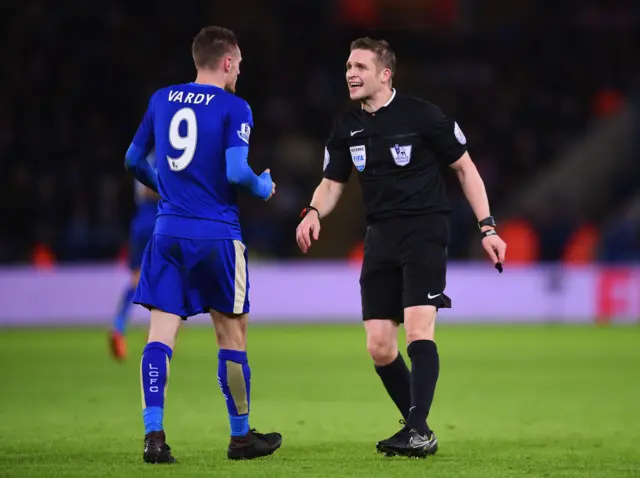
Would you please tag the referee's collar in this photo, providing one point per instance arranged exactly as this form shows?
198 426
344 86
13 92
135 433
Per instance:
393 95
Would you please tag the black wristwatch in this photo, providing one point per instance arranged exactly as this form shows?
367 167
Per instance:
307 210
488 221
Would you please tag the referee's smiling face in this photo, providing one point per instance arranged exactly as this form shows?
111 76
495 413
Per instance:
365 76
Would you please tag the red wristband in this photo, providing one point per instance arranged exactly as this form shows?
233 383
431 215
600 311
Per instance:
307 210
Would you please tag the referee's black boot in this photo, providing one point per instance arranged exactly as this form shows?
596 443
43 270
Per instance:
408 442
253 445
156 449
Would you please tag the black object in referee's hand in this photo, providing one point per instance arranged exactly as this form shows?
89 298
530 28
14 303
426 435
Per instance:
491 222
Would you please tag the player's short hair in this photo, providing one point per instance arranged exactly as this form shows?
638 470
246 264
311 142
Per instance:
211 44
385 55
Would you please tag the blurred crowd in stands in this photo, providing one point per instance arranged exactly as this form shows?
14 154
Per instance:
523 79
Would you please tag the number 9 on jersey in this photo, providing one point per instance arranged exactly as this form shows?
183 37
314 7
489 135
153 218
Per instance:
186 143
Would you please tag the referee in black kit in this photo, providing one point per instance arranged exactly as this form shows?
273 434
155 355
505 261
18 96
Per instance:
399 145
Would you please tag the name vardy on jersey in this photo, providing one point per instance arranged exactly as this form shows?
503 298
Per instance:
192 98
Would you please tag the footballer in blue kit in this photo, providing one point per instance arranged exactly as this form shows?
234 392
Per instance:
142 226
196 261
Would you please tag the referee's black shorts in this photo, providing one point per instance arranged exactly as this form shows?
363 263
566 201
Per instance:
405 264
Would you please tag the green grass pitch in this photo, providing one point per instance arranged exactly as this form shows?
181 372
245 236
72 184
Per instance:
542 401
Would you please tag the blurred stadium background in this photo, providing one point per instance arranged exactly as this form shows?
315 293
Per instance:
548 95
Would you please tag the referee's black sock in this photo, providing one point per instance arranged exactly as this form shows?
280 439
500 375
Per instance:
425 366
397 380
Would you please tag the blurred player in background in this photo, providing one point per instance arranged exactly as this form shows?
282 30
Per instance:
142 226
196 261
400 145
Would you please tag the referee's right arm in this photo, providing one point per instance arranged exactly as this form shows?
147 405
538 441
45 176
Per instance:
337 169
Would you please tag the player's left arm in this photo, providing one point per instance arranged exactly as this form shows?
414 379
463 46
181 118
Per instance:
142 144
447 138
239 125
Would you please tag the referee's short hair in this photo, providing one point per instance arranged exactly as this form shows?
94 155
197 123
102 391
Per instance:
385 55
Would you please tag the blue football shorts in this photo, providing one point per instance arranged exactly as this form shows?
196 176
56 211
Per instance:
187 277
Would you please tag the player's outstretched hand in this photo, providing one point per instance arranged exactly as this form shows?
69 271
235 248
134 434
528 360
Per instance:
309 227
267 174
495 247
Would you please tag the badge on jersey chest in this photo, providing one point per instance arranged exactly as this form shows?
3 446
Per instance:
359 157
401 154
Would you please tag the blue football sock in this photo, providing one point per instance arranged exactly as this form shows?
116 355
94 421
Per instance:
120 320
154 376
234 378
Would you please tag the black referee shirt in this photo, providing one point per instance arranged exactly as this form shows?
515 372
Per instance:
399 152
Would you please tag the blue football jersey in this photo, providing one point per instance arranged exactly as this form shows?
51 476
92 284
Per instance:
191 126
